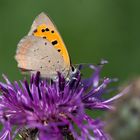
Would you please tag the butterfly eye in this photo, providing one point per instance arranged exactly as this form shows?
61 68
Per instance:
75 71
72 68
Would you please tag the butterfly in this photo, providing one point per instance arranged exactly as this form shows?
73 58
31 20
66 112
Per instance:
43 50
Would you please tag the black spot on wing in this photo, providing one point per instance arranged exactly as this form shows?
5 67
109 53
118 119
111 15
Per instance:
44 37
44 57
59 50
36 49
35 31
43 30
52 31
54 42
47 29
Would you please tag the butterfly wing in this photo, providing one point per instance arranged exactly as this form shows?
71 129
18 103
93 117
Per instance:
38 54
44 27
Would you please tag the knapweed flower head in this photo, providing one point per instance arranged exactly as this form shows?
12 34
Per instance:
54 110
124 121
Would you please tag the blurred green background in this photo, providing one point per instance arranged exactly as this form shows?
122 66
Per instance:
91 29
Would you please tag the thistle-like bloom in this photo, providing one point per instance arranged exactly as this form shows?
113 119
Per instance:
124 122
54 110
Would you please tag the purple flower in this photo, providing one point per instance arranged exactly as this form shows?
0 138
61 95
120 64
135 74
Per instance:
55 109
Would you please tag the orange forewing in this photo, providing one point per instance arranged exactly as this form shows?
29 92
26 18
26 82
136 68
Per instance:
51 35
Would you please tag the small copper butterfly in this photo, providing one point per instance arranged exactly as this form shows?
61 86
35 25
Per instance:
43 50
